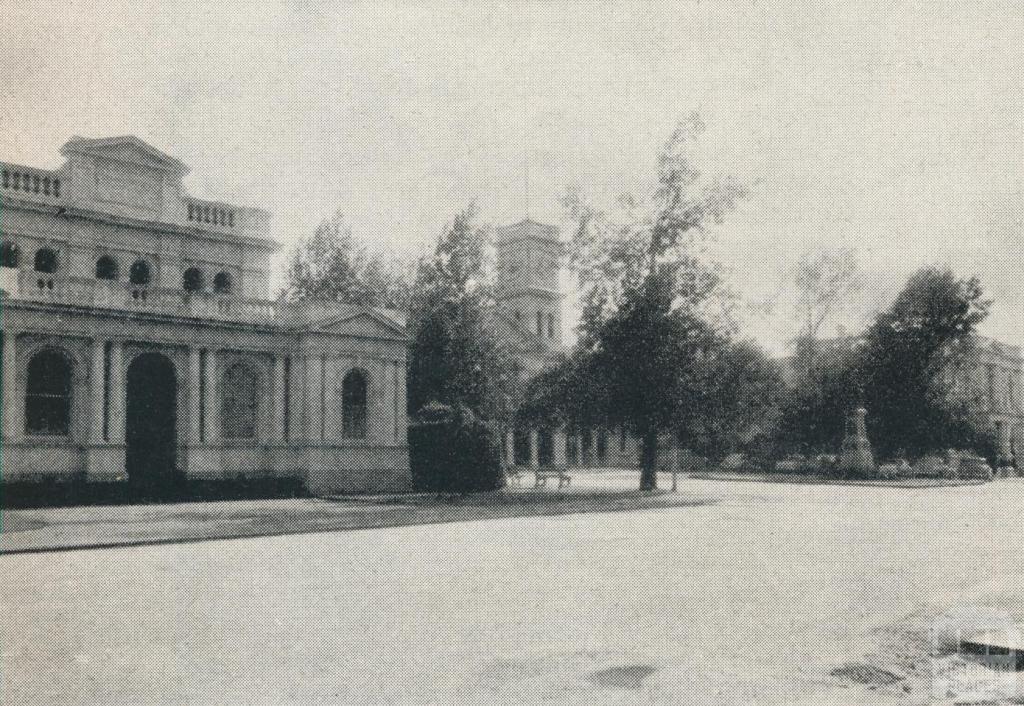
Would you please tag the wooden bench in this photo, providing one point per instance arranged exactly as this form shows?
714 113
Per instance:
544 473
514 475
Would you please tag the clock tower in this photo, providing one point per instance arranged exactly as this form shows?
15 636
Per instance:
529 258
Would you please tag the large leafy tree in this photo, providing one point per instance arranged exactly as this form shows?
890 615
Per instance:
456 358
908 369
914 353
333 264
734 404
653 304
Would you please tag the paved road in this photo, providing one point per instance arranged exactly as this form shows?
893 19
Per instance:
750 600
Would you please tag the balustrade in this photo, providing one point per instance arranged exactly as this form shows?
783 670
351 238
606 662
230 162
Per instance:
210 213
26 182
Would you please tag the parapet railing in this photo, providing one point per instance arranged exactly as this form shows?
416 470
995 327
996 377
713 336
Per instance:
209 213
28 183
36 286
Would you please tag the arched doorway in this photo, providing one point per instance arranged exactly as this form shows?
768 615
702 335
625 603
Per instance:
151 426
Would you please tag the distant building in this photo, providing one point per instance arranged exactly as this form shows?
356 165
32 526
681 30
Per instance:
993 381
139 341
530 318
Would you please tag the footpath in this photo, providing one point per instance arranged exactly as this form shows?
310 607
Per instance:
91 527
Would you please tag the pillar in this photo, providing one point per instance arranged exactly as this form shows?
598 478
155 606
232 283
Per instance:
534 461
510 448
96 390
117 393
558 442
11 406
1005 453
294 399
277 419
403 402
313 369
195 399
212 431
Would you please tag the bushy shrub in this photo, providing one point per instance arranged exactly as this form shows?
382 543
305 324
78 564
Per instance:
450 451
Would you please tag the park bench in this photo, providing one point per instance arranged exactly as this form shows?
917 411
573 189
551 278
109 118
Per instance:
544 473
514 475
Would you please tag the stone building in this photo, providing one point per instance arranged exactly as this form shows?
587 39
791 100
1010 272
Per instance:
992 379
530 315
140 342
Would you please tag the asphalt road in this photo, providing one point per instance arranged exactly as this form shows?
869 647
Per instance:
754 599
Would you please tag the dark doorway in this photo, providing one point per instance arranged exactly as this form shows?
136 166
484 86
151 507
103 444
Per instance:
545 448
522 447
151 428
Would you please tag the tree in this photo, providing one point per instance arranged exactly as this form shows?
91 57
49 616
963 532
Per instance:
904 370
735 405
823 280
334 265
909 365
456 358
653 304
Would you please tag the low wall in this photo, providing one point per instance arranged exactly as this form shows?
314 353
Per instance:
358 469
325 469
22 460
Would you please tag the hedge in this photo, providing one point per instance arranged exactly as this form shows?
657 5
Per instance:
452 452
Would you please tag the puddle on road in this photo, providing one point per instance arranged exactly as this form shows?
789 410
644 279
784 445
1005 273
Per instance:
628 677
556 673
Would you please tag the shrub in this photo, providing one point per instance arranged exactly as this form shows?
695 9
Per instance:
451 451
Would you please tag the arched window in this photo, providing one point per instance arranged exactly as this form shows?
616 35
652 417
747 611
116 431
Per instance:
140 273
222 283
239 403
8 255
192 280
353 405
45 261
551 325
48 394
106 268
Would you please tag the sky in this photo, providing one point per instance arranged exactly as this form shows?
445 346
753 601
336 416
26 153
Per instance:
893 129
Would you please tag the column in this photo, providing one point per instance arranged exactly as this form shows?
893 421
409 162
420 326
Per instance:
313 369
510 448
212 431
1005 454
558 442
403 403
534 461
296 401
195 399
117 393
277 419
96 390
11 406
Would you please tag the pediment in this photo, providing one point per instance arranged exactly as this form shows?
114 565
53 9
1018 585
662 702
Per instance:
364 324
126 149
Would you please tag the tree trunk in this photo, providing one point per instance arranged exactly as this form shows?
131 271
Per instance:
649 461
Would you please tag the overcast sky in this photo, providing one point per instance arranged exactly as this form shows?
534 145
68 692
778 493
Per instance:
894 129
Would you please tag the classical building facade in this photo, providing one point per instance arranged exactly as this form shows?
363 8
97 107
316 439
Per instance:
993 379
139 339
530 312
